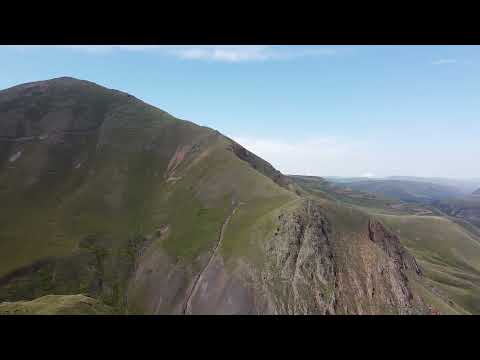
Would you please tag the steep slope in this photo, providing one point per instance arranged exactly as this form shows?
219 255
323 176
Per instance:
110 197
449 256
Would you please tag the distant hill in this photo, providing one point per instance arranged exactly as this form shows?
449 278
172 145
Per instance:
476 192
463 186
466 186
412 191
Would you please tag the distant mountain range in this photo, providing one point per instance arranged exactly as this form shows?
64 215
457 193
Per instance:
405 190
453 197
466 186
463 186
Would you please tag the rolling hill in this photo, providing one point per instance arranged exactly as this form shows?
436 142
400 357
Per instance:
115 206
465 186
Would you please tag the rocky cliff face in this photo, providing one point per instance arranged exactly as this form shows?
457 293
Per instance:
317 266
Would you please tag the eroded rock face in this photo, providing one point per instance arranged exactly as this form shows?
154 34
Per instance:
390 244
300 275
314 267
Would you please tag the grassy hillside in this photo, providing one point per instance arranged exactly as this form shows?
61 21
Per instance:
449 255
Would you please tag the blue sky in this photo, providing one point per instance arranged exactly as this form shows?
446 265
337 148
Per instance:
316 110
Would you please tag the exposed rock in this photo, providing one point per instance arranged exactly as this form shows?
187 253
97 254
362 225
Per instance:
314 268
15 156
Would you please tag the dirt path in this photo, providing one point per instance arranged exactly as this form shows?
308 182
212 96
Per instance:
188 304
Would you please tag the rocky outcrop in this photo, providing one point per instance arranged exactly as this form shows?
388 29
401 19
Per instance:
392 247
301 269
316 267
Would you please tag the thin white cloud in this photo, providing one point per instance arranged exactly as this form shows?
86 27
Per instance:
444 61
365 157
320 156
222 53
109 48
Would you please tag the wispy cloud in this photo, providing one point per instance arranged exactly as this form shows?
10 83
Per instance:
365 157
224 53
316 156
444 61
221 53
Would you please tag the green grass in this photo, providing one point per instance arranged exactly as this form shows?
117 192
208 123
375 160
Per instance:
449 255
252 224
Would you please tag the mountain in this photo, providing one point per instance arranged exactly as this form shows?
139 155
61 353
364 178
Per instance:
476 192
116 201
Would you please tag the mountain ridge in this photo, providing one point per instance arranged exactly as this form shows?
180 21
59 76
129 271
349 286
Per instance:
116 199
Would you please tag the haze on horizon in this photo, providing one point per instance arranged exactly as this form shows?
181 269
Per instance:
312 110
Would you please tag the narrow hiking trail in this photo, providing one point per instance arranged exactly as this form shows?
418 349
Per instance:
188 304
